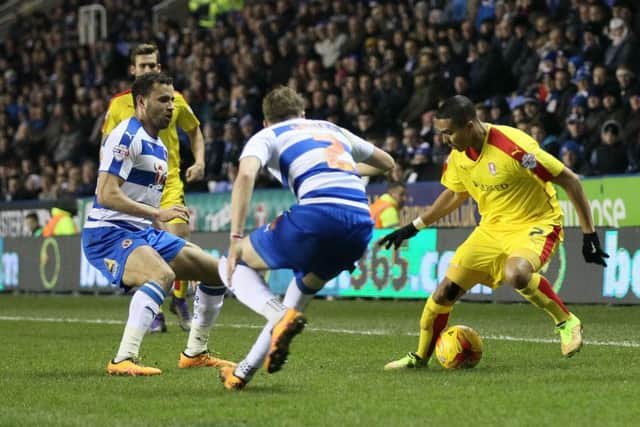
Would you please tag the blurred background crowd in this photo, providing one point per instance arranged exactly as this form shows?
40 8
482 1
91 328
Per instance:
565 71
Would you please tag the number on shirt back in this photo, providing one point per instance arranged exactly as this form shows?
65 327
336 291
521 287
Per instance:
334 152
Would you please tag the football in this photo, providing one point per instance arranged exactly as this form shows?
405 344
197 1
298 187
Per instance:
459 346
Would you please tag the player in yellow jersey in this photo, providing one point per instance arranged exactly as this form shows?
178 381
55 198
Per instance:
144 58
509 176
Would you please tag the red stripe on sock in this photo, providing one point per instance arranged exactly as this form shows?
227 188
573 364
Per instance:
176 285
549 244
438 325
545 288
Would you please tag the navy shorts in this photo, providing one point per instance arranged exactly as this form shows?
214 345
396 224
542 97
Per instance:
107 248
317 238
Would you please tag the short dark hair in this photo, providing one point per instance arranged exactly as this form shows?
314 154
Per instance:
143 49
459 109
281 104
144 83
32 215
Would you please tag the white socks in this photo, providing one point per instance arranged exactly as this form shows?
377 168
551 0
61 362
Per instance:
257 354
250 289
294 297
145 305
207 304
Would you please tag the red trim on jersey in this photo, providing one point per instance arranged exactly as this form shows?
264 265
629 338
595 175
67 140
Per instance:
513 150
549 243
545 288
472 153
119 94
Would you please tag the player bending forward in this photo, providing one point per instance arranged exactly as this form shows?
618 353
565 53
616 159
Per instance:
118 238
509 176
324 233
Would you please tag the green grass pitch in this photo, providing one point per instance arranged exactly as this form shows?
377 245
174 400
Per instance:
54 350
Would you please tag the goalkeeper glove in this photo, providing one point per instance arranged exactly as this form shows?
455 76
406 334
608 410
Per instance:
591 249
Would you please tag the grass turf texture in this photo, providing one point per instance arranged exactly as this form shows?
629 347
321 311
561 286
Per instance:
53 373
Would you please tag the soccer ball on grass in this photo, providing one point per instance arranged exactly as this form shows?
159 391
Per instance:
459 346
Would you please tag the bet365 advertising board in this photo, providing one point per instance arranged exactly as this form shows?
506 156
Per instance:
57 265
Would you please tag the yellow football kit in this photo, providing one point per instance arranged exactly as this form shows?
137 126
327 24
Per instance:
121 107
510 181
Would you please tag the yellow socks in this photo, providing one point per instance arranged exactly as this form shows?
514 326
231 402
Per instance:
433 320
539 293
180 288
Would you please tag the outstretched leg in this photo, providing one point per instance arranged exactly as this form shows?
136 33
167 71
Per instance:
435 316
536 289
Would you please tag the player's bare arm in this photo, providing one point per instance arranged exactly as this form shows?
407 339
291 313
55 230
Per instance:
110 195
571 184
196 171
591 249
379 163
447 202
240 199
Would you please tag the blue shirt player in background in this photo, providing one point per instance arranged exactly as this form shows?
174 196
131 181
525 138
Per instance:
119 240
324 233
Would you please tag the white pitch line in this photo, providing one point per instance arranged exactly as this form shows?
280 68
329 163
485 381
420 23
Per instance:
373 332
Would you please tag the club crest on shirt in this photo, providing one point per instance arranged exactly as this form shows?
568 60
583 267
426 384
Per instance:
492 168
126 243
120 152
529 161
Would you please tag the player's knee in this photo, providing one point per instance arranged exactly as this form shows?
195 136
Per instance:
164 276
517 276
447 293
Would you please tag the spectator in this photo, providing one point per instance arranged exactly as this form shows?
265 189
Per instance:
626 80
330 44
611 103
87 186
423 98
561 95
385 211
610 157
61 222
623 46
592 46
486 71
32 223
49 190
631 130
535 114
572 156
16 189
68 145
525 66
575 131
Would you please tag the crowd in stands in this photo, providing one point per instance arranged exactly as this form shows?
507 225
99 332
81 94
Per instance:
565 71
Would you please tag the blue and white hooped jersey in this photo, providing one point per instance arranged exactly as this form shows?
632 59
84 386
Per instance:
141 160
316 159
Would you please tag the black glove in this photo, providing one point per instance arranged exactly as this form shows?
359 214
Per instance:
398 236
591 249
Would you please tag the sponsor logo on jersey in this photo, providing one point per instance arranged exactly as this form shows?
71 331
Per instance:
126 243
161 176
120 152
529 161
491 187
